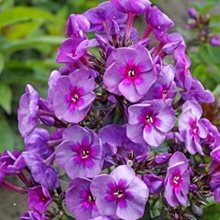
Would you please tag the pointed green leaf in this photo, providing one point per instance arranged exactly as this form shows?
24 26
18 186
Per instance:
5 97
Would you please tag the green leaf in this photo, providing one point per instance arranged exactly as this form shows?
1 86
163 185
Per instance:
35 42
6 134
2 63
212 212
5 97
21 30
22 13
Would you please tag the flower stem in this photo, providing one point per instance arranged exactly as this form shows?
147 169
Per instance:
131 17
146 32
46 113
12 187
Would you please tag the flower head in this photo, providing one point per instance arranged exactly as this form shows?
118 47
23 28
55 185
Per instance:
28 110
37 142
157 19
42 173
191 127
177 180
74 95
80 153
79 199
101 17
149 121
77 25
129 6
39 198
130 72
121 194
116 144
72 49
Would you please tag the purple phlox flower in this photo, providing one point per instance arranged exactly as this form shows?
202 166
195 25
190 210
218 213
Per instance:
193 13
177 180
154 183
198 93
32 215
77 25
46 114
164 87
116 144
72 50
191 127
130 72
74 95
28 110
214 172
121 194
80 154
129 6
213 137
169 42
182 63
37 142
215 41
52 81
101 17
149 121
80 201
44 174
215 154
10 163
39 198
162 158
157 20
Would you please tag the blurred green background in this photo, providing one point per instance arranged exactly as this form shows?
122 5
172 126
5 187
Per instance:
31 31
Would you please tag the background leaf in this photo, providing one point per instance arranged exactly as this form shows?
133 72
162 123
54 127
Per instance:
5 97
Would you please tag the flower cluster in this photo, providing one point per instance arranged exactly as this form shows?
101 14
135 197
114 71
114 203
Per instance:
122 123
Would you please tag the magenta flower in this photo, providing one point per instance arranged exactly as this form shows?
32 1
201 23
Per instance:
28 110
149 121
191 127
72 49
177 180
121 194
130 72
117 145
129 6
157 20
39 198
74 95
154 183
11 163
164 87
197 93
42 173
213 137
37 142
80 153
77 25
215 41
32 215
80 201
101 17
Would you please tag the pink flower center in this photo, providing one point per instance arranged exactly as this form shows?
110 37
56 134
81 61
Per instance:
119 193
194 128
85 153
176 179
149 119
131 73
74 97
